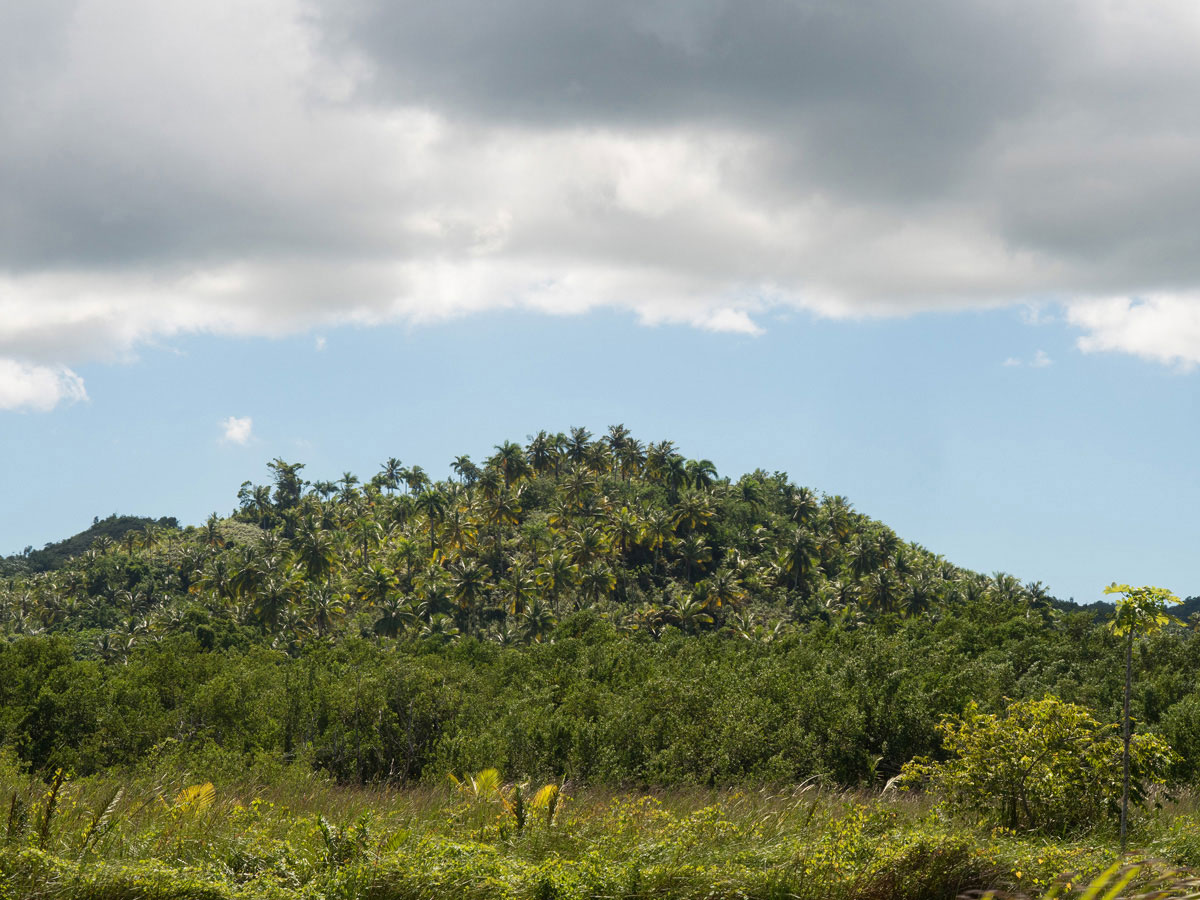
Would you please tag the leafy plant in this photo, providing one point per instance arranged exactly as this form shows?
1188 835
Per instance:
1044 764
1139 611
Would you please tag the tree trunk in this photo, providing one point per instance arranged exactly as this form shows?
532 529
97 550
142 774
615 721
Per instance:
1125 755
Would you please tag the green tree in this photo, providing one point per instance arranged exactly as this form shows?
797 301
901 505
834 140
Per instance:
1140 610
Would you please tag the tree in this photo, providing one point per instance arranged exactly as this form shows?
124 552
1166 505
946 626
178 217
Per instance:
1140 610
288 485
391 473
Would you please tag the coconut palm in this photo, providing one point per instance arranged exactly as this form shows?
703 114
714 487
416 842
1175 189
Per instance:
694 553
322 609
509 460
558 573
518 587
432 503
389 474
315 551
396 615
538 620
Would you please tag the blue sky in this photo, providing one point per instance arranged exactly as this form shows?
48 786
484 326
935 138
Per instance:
1075 473
936 255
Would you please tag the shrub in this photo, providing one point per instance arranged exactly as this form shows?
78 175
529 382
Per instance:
1044 765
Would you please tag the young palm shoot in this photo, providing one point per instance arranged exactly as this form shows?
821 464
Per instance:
1140 610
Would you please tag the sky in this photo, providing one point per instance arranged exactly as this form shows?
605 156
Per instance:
939 257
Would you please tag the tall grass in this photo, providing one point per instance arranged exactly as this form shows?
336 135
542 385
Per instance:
298 836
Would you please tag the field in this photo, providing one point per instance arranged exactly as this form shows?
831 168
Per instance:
300 836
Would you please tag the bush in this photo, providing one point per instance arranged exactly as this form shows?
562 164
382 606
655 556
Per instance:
1043 765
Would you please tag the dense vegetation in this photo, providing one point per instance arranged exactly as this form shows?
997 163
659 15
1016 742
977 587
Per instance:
595 608
578 610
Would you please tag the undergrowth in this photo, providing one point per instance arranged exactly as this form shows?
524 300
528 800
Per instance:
301 837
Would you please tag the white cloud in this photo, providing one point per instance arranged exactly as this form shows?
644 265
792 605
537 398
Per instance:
1162 329
268 168
1040 360
237 430
26 386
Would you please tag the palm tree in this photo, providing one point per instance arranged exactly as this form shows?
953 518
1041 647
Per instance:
274 595
801 505
322 609
541 452
439 628
376 584
348 481
598 459
881 591
416 479
390 473
315 551
395 616
596 582
625 529
433 503
632 458
557 573
210 533
658 531
577 445
470 584
518 588
693 510
725 589
799 557
509 460
701 473
838 516
689 612
537 621
501 510
325 488
466 470
578 485
694 552
587 545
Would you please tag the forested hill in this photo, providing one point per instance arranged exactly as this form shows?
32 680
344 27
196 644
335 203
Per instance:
587 607
56 554
502 550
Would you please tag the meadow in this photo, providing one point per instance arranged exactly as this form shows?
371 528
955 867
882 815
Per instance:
289 833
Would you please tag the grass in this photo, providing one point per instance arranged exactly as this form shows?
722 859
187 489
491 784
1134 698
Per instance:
297 836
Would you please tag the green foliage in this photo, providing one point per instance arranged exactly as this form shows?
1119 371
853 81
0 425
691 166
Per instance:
1141 610
593 608
1044 764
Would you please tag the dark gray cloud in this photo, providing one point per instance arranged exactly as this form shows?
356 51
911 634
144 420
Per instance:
211 165
891 97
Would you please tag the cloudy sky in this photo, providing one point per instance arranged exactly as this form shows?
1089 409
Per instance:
1010 190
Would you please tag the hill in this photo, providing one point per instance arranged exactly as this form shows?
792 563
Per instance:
102 532
595 607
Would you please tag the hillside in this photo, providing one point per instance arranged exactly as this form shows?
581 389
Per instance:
593 607
102 532
505 549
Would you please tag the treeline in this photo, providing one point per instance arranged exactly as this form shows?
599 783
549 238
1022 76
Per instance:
592 607
851 705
